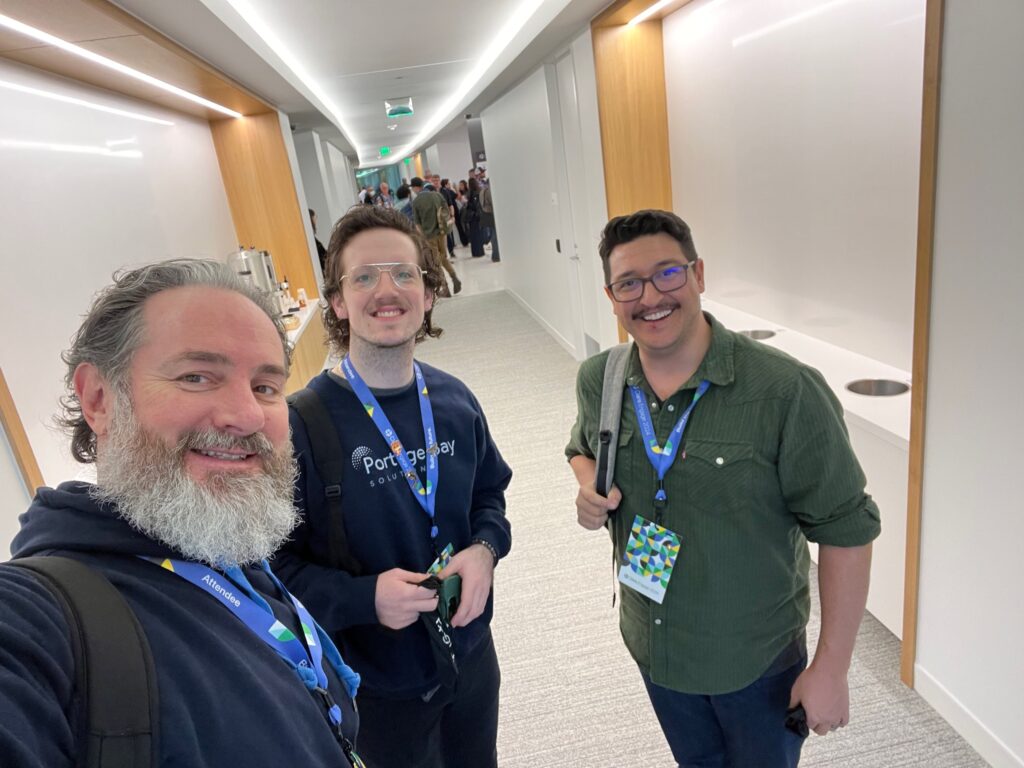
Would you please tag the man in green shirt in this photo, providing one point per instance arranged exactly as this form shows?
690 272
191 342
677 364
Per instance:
426 204
754 461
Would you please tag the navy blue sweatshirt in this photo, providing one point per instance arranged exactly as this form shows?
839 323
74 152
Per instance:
225 698
387 528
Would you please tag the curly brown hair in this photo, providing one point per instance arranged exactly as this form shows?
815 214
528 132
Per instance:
360 219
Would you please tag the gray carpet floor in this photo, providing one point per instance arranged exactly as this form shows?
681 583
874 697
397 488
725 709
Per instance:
571 696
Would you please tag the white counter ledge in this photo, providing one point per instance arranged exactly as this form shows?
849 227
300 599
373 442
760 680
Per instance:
887 417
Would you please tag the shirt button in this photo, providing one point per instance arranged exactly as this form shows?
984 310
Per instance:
719 461
671 407
657 622
654 406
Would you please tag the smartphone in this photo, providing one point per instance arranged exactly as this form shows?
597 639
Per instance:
448 594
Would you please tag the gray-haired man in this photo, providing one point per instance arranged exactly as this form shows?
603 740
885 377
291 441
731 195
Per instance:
175 390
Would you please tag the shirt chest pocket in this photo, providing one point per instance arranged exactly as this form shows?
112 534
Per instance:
624 470
717 475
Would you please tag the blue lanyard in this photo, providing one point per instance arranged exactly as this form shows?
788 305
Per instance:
425 496
661 457
254 611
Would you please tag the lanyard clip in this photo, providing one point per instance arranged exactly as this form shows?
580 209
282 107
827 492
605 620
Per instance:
660 498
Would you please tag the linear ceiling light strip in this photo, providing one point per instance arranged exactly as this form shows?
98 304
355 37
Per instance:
81 103
45 37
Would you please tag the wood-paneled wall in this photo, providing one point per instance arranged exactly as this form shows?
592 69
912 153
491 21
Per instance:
630 69
261 194
18 440
308 356
922 326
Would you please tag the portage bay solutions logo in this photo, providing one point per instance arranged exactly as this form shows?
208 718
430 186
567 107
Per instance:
383 469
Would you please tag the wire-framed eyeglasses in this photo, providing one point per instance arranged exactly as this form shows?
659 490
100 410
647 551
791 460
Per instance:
403 275
665 280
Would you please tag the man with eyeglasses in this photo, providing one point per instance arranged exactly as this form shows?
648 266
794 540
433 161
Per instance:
421 490
731 455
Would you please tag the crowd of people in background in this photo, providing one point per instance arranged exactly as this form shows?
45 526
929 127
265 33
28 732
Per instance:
470 214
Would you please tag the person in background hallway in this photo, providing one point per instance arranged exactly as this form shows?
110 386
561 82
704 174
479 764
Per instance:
383 197
474 220
462 195
425 205
417 709
403 201
449 195
755 461
321 252
487 221
371 195
176 392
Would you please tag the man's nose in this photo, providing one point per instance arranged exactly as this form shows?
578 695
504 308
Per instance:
386 284
238 412
654 297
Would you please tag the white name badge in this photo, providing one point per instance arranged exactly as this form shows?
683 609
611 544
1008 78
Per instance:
649 559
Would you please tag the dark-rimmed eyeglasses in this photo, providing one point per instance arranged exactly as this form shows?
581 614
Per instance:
403 275
666 280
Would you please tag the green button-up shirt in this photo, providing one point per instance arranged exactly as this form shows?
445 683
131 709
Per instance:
766 466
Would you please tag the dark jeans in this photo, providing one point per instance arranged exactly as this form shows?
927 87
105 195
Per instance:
476 241
743 729
495 255
455 729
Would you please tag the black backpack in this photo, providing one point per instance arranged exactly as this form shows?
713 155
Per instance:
115 681
330 466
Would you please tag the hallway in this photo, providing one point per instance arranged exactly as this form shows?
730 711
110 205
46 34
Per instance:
571 695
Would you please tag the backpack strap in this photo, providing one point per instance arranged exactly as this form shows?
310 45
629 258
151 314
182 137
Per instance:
611 412
115 678
330 465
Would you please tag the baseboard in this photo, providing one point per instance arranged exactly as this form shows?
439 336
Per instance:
569 347
986 743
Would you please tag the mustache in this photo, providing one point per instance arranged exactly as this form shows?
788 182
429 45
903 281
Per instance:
212 440
665 305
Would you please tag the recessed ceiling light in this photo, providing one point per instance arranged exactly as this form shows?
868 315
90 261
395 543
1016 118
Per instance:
46 37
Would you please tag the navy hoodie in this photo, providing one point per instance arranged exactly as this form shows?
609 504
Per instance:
225 698
387 528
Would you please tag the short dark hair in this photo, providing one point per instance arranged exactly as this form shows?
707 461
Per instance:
416 182
625 229
361 219
402 192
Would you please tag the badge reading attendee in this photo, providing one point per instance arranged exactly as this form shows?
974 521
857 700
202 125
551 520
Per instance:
649 558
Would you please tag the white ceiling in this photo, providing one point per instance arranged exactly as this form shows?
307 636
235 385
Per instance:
330 64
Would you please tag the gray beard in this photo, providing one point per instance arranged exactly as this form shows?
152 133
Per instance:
232 518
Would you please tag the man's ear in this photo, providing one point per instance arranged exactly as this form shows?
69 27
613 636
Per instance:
95 396
338 305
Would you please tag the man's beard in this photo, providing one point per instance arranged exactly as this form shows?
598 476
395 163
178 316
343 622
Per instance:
229 518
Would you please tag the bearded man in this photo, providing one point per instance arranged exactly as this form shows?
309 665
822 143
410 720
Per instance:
176 392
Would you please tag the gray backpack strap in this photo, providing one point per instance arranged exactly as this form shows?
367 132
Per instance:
611 412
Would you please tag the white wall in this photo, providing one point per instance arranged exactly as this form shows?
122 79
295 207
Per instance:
794 128
313 171
14 496
971 620
520 162
521 132
340 182
71 212
598 319
453 154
